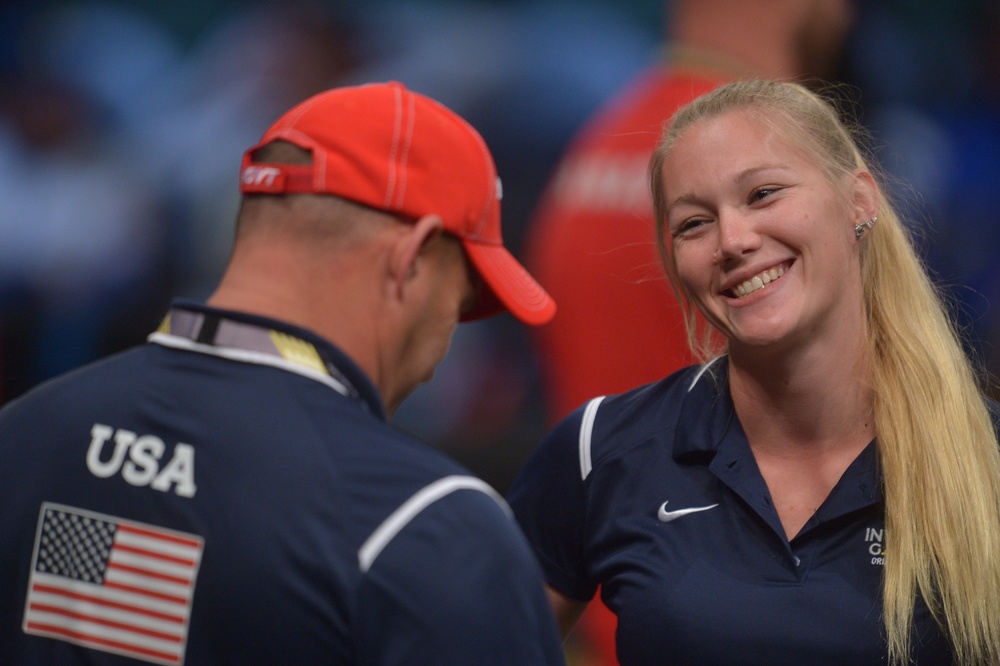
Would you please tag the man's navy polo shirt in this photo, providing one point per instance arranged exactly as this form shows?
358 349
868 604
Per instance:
231 493
655 496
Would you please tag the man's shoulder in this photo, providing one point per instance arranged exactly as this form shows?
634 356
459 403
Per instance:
457 506
95 377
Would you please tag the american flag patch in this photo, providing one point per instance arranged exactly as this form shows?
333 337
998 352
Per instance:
112 584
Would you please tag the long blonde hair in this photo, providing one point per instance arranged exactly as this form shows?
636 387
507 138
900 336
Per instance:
937 445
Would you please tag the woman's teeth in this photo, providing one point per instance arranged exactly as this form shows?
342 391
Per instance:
758 282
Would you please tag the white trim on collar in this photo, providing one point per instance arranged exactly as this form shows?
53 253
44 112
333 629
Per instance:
247 356
701 372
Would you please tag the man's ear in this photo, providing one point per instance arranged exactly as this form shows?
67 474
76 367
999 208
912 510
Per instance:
410 248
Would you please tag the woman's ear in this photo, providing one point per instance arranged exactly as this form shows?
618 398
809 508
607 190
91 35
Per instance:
410 247
864 199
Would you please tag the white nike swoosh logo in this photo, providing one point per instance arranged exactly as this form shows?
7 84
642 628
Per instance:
666 516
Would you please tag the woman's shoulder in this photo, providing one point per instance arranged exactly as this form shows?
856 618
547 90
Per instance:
664 399
607 426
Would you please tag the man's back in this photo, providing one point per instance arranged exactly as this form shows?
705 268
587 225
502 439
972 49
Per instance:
247 502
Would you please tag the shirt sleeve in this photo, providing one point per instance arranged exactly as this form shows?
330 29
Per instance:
549 501
457 584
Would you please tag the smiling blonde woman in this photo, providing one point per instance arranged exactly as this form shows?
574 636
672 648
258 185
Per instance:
937 445
825 487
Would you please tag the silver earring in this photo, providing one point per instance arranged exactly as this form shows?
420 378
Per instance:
860 229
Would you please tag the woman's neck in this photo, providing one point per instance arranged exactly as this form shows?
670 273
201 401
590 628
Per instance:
820 398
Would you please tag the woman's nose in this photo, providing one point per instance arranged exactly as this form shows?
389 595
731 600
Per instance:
737 235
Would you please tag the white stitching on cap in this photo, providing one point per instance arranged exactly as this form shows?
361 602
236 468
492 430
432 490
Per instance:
411 118
391 185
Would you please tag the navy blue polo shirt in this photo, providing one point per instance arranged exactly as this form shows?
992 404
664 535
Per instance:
231 493
655 497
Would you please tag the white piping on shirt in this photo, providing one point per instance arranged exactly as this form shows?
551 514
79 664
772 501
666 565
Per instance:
586 433
702 372
409 510
590 415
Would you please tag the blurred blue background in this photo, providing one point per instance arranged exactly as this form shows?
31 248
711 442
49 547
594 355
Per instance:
122 125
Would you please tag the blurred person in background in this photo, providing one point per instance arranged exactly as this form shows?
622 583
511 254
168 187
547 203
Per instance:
109 209
80 231
591 241
526 74
929 73
159 73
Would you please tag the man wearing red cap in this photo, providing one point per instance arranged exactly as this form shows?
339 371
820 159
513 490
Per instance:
232 491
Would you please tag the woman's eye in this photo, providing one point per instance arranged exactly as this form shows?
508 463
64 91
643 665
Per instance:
762 193
688 225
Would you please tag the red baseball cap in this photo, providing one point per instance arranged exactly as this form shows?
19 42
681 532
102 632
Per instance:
389 148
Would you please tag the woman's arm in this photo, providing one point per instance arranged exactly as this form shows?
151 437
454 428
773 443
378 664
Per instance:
568 611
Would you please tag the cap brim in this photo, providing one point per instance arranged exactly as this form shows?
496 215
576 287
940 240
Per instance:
510 287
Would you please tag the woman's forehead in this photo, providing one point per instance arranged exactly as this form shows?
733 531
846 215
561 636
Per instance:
747 133
736 140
